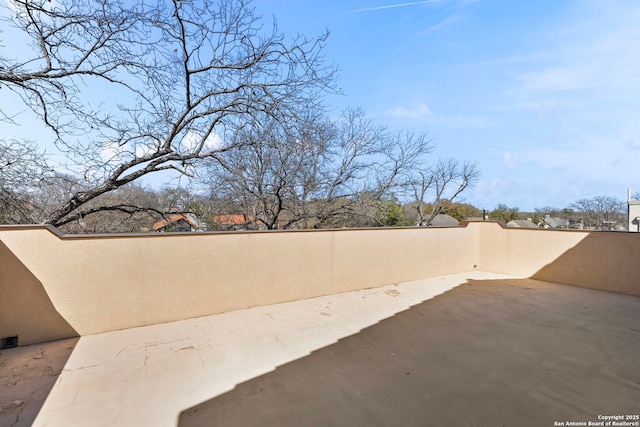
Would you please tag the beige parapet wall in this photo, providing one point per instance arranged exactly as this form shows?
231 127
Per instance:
607 261
103 283
54 286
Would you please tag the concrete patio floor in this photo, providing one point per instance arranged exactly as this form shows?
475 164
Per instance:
487 353
27 375
474 348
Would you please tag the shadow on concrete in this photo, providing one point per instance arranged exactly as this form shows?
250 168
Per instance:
496 352
602 260
26 311
27 375
28 372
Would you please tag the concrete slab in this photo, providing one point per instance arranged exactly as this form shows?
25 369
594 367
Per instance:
27 374
148 376
487 353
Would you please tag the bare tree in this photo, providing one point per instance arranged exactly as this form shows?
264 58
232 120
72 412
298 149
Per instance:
22 170
437 188
320 173
265 176
130 208
367 165
600 212
133 88
29 189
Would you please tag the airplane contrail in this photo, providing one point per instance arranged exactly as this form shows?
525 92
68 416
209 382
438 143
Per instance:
390 6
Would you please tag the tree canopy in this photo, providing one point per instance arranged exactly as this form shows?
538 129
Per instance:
132 88
204 89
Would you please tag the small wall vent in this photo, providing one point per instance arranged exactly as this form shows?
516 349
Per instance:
8 342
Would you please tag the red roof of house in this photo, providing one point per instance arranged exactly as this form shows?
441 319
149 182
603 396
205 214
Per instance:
170 220
231 219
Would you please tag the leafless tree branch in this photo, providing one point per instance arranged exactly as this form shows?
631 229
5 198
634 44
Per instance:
141 87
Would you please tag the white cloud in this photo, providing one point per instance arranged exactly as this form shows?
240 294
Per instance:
509 160
192 139
111 152
590 166
632 144
601 49
556 78
421 112
487 193
416 112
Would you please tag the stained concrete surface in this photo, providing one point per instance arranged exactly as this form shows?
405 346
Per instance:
487 353
27 374
474 348
148 376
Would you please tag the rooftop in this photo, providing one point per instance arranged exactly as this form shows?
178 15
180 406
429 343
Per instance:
170 220
462 348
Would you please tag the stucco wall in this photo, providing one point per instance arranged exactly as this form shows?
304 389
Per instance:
591 259
522 251
104 283
54 287
26 311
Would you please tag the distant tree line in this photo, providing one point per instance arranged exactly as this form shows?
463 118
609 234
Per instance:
597 213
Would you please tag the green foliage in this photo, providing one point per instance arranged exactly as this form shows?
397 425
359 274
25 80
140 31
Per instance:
462 211
537 218
391 213
504 213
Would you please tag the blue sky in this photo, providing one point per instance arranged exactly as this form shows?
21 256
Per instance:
544 95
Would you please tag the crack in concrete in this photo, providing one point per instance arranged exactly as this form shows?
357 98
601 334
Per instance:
157 343
81 368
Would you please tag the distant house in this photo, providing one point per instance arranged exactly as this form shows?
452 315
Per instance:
233 221
444 220
521 223
576 223
178 222
554 222
633 215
